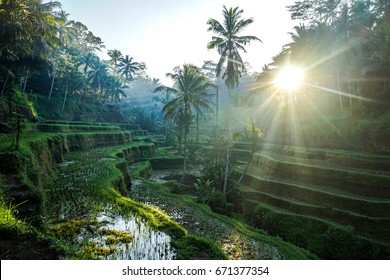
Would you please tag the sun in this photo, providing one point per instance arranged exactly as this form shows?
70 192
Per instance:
289 78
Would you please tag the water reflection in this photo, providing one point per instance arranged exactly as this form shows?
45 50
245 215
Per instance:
147 244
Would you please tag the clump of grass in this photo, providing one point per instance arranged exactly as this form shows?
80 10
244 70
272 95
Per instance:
69 229
116 236
91 250
7 214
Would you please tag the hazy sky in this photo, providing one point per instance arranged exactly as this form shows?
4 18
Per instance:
167 33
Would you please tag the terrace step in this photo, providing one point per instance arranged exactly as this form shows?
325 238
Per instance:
351 183
371 226
319 196
337 159
42 127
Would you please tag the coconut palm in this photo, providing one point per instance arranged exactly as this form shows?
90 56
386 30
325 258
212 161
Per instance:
115 56
129 68
229 44
190 89
115 89
66 33
86 61
97 77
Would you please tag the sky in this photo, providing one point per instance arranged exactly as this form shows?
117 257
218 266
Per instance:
168 33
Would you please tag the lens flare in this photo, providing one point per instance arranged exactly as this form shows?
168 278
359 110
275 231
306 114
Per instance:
289 78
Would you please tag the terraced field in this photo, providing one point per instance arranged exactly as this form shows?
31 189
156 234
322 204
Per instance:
335 204
338 190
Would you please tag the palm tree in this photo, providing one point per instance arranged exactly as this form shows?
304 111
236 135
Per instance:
129 68
115 88
228 43
97 76
86 60
201 101
28 32
190 88
45 24
66 33
115 56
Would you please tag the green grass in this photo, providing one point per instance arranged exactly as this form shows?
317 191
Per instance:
8 218
328 240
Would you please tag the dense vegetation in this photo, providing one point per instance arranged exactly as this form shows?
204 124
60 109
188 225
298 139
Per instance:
251 169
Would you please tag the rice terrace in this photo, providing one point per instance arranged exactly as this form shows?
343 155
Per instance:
100 160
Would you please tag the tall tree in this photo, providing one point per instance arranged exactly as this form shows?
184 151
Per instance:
66 33
190 86
115 56
129 68
28 32
229 44
97 77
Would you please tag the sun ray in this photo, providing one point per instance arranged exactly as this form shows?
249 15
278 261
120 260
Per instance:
322 116
334 53
340 92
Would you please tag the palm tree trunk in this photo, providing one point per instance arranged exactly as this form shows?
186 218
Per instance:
216 124
185 142
5 83
54 76
179 139
197 129
216 111
225 180
217 103
348 81
84 90
25 81
66 93
51 87
338 85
